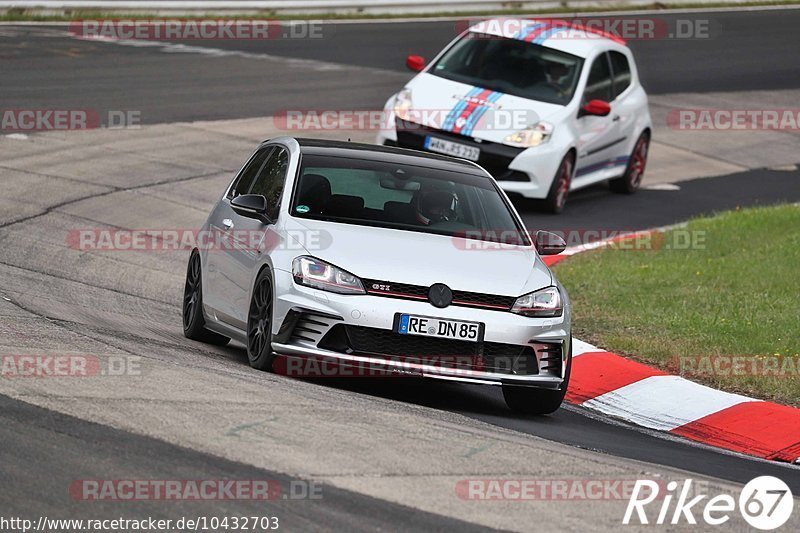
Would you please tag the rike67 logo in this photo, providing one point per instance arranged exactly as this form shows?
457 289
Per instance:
765 503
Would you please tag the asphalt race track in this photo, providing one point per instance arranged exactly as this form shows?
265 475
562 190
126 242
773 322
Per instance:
154 459
744 51
388 452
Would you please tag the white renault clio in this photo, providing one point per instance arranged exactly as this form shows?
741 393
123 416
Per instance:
545 106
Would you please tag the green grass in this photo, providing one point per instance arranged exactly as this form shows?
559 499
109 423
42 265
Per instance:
736 294
36 15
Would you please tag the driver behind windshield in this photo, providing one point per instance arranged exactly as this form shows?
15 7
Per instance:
557 75
435 206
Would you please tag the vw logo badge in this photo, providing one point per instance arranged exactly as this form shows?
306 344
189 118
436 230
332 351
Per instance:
440 295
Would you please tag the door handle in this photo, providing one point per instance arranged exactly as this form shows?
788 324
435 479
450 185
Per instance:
615 119
227 223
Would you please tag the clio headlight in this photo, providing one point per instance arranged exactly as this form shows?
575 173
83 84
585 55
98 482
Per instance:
402 104
531 136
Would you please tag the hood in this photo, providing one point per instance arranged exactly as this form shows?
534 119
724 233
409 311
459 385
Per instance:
424 259
473 111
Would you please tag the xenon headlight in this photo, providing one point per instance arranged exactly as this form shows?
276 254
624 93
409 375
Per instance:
316 273
544 303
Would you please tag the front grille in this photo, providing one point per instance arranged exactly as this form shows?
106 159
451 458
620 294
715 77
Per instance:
477 299
385 342
407 291
449 353
397 290
494 157
512 175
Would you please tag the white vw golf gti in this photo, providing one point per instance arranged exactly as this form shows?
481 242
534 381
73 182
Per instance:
370 256
545 106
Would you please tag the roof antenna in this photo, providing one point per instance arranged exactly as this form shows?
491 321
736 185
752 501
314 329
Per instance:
348 139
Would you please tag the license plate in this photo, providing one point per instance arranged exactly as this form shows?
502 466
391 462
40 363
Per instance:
450 148
426 326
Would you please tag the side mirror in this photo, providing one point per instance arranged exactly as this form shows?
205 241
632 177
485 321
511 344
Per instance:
549 243
597 108
415 63
251 206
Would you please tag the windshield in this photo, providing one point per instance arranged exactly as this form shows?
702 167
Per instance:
511 66
405 197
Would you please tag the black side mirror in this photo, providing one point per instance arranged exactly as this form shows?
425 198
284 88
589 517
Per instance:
251 206
549 243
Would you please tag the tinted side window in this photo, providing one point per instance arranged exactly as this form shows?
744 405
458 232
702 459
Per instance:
598 87
622 72
271 179
248 175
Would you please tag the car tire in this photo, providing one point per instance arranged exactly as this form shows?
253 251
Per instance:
194 324
559 189
533 401
259 323
634 172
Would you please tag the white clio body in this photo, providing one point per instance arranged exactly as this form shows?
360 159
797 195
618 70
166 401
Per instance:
442 106
312 221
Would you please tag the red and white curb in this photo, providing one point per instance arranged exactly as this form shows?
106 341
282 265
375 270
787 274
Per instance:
615 386
648 397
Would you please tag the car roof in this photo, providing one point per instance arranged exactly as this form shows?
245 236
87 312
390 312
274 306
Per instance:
330 147
557 34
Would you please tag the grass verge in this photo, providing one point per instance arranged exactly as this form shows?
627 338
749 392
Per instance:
724 312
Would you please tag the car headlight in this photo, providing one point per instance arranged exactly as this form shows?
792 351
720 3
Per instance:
315 273
544 303
402 104
534 135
